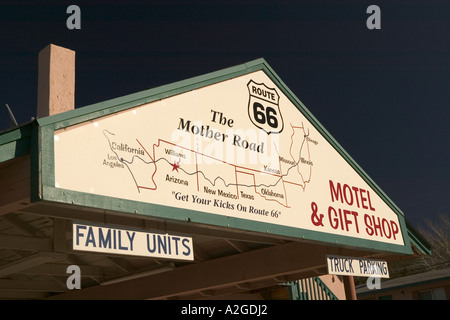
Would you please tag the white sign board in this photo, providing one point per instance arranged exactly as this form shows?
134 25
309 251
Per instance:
238 148
131 242
359 267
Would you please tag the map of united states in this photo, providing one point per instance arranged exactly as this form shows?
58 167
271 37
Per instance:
167 162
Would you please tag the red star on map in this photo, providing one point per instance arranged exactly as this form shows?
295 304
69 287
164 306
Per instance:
175 166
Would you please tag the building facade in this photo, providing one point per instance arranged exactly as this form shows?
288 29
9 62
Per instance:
223 185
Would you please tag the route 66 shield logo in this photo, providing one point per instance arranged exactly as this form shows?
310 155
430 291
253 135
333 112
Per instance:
263 107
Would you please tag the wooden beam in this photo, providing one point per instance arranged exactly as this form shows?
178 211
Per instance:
59 235
74 212
52 269
22 225
239 246
8 241
257 265
29 262
15 186
30 285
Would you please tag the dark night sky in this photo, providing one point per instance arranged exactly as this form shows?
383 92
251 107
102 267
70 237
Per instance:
383 94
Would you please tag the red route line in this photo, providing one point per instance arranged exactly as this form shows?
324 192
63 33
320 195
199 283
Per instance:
262 196
297 184
218 160
141 187
231 164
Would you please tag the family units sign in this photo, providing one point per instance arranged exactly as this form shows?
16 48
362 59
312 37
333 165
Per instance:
103 239
239 149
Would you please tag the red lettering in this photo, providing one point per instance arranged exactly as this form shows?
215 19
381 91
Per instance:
370 204
395 229
355 215
386 225
349 201
342 218
368 223
384 228
350 195
335 193
376 225
348 221
363 200
334 222
356 193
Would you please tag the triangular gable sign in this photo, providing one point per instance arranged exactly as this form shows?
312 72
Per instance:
234 148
